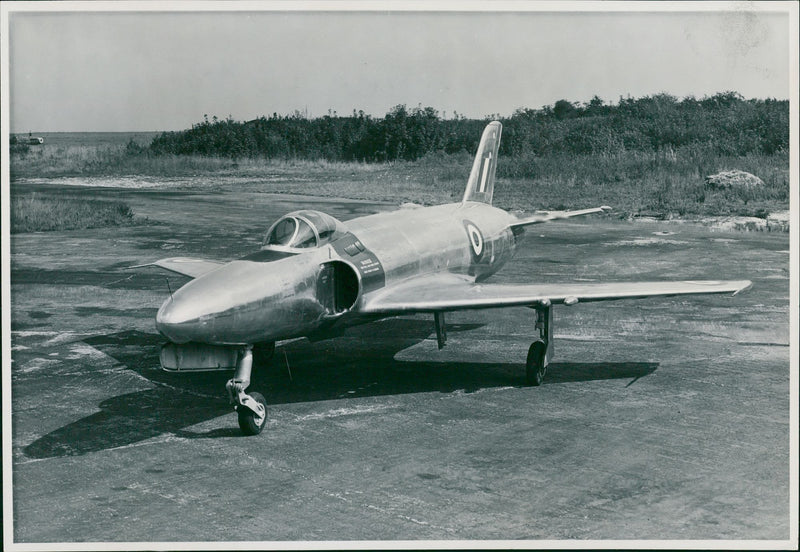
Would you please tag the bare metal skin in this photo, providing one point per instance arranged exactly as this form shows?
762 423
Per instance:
316 275
278 300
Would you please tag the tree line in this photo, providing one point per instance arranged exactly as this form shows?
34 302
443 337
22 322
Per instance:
722 124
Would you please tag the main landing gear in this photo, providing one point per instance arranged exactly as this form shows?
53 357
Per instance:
252 409
541 350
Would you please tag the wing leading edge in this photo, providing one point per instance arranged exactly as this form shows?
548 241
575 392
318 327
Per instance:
450 293
184 265
557 215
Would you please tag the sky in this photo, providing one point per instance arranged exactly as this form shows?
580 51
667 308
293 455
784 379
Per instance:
152 71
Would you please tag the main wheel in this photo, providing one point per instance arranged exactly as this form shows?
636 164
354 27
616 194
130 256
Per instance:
248 422
263 353
535 368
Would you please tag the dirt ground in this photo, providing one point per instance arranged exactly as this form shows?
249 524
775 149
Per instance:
659 419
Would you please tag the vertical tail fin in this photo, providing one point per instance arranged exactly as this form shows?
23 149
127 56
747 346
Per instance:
481 179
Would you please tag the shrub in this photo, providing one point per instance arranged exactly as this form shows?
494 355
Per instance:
725 123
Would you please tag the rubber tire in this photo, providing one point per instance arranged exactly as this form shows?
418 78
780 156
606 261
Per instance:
247 422
263 353
535 368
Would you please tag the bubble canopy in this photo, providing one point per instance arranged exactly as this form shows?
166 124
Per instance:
303 229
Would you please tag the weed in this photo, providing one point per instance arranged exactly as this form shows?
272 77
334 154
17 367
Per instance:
37 214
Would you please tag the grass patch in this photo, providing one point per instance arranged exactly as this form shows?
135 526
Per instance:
50 161
665 183
40 214
660 184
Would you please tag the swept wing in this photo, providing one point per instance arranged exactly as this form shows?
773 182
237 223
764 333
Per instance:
546 216
185 265
451 292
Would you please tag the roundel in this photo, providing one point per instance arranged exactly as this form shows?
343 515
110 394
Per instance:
475 240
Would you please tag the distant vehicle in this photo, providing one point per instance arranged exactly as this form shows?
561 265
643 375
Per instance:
32 140
315 276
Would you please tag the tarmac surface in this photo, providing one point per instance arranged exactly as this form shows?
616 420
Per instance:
658 419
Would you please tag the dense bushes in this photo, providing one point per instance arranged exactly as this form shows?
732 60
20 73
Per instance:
723 124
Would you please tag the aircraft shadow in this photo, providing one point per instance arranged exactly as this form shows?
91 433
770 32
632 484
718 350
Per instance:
360 364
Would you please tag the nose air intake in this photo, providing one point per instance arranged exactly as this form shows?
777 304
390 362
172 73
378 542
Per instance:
338 287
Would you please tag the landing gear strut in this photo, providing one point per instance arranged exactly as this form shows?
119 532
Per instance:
441 329
252 409
541 350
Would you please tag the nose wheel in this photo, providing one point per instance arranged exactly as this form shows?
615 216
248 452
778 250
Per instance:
252 408
250 422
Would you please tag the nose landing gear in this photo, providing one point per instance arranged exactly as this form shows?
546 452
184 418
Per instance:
252 409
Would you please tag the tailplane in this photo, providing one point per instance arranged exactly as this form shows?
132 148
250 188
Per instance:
481 179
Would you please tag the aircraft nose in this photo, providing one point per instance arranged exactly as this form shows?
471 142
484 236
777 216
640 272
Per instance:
176 321
241 302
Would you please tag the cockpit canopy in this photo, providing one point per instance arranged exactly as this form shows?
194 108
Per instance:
303 230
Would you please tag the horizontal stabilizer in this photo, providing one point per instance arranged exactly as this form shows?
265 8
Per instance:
556 215
451 292
184 265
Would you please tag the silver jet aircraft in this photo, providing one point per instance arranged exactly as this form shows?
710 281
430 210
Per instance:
315 276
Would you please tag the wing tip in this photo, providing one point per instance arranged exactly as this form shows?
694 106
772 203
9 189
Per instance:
744 285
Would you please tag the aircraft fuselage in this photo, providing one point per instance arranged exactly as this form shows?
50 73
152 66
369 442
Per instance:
273 295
